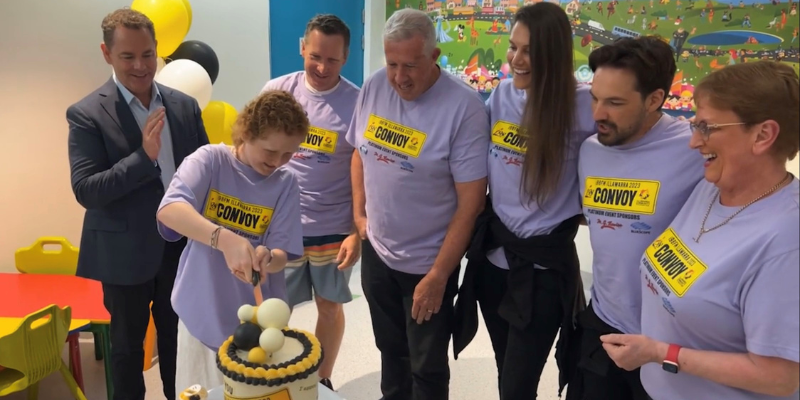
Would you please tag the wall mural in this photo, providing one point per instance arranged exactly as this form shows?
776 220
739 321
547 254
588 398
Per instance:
706 35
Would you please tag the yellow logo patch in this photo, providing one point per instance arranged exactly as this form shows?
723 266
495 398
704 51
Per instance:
505 134
399 138
625 195
321 140
674 262
231 212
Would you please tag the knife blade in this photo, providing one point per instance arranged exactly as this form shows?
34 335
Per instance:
257 288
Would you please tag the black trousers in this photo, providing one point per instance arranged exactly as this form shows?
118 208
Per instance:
598 377
519 370
129 307
414 360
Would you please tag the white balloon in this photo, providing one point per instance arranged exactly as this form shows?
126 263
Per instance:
160 63
188 77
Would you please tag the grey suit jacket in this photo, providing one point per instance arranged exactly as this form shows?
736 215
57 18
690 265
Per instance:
119 186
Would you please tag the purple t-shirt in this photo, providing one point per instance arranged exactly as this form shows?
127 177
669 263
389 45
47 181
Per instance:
735 291
413 153
263 209
506 152
322 164
631 193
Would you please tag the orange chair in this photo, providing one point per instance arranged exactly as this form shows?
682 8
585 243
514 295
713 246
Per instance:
149 342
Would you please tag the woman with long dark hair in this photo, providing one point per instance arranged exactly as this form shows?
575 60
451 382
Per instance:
523 265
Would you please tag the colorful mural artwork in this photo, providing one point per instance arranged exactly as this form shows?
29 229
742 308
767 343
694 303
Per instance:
706 35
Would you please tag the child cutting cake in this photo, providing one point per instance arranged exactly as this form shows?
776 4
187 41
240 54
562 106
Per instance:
240 211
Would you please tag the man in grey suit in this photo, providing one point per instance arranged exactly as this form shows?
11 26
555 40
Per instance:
126 139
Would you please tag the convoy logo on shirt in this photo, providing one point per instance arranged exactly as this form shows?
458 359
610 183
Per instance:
669 261
394 136
507 136
230 212
625 195
321 140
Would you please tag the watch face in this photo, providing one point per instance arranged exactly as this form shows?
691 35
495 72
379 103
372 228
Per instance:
670 367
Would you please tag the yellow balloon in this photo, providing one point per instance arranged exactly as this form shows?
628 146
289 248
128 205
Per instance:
188 11
218 118
170 19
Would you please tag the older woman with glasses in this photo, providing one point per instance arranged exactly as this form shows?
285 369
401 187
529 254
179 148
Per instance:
721 286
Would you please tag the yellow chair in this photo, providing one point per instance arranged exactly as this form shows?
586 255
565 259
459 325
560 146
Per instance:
34 259
33 352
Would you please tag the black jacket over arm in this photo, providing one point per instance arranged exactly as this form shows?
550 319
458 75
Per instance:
555 251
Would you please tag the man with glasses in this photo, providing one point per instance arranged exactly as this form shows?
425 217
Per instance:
635 174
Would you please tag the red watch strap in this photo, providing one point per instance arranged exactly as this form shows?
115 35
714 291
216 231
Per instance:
672 353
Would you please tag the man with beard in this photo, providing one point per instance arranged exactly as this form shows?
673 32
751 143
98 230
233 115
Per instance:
635 174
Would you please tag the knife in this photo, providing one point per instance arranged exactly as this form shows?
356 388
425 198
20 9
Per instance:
257 288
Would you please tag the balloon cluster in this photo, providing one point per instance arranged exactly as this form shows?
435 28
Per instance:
260 333
190 66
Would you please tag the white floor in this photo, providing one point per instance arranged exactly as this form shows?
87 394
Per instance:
357 372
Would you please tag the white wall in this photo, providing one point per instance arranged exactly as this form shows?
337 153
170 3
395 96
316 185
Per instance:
375 12
54 61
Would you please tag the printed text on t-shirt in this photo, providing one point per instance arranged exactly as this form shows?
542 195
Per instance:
626 195
507 136
670 261
321 140
230 212
394 136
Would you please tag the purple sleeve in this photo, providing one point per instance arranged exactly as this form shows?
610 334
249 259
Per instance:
351 136
584 116
770 304
286 229
470 148
190 185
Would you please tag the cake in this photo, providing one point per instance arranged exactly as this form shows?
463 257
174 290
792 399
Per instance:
264 359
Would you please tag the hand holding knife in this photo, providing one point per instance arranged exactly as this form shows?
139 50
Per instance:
263 257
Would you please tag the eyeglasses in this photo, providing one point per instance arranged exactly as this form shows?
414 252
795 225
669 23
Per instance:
705 129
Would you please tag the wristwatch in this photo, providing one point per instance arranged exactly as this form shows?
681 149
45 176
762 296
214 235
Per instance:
670 364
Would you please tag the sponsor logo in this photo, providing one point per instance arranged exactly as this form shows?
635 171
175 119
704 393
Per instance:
321 140
641 228
406 166
228 211
394 136
673 263
507 135
624 195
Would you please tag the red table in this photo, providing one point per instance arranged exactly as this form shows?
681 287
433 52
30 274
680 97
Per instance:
22 294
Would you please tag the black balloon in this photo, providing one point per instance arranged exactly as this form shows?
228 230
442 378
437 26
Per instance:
200 53
246 336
